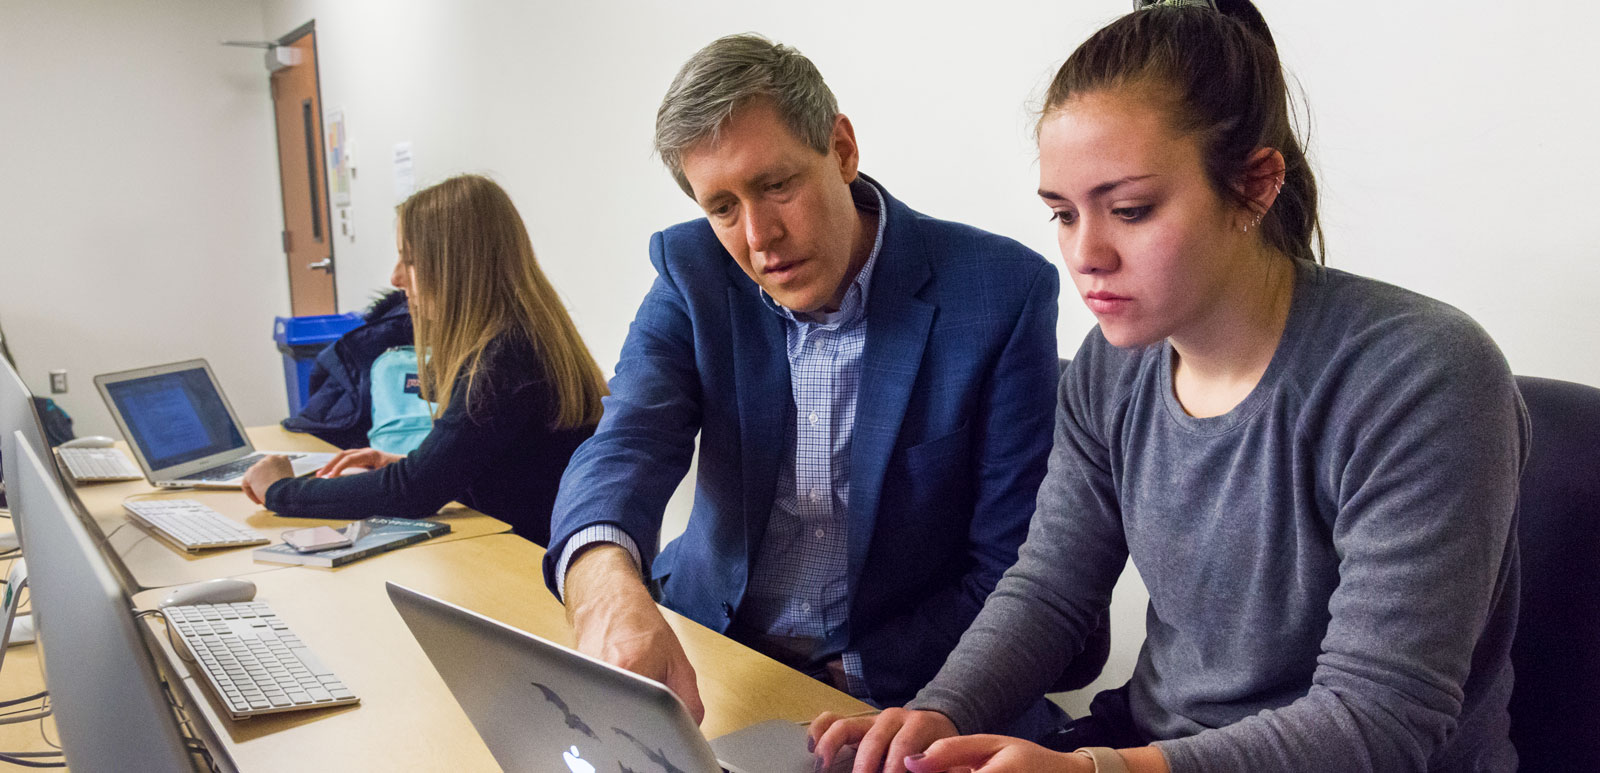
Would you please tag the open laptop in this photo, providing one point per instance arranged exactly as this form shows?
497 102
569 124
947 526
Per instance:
182 430
540 706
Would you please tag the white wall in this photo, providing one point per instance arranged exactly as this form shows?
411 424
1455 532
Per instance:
140 207
1453 143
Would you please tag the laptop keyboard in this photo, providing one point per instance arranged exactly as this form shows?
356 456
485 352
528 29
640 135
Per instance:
233 469
253 662
92 464
192 525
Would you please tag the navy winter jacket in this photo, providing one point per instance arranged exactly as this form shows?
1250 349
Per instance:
339 408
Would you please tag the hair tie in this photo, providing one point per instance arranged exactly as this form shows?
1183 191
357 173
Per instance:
1139 5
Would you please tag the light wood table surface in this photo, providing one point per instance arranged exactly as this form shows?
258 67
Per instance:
407 719
155 563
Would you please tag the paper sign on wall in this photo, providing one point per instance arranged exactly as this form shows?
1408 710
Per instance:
405 174
339 158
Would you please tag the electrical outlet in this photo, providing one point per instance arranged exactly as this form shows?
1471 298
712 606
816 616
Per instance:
58 382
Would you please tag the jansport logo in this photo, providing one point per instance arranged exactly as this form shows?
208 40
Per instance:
413 384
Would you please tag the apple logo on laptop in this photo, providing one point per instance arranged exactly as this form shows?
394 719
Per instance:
575 761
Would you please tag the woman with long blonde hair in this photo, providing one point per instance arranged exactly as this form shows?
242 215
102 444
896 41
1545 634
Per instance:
517 389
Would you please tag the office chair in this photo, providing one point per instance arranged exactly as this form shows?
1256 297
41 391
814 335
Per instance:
1555 706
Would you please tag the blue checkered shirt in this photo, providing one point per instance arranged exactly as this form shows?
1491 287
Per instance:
798 583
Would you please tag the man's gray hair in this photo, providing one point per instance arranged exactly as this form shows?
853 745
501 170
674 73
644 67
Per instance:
730 72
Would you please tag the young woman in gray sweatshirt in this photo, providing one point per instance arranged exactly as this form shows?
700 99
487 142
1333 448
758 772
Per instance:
1314 473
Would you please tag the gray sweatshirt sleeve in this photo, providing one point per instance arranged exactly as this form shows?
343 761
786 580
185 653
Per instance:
1425 436
1037 617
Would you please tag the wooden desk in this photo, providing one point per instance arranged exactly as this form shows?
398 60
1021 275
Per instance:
407 719
155 563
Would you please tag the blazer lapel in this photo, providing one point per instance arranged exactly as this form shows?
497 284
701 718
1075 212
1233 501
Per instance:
898 324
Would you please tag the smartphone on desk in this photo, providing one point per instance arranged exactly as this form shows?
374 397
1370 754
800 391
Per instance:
316 538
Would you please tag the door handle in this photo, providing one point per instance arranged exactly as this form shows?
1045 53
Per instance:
326 264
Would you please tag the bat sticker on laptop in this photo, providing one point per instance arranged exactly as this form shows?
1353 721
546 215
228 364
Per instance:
654 755
573 721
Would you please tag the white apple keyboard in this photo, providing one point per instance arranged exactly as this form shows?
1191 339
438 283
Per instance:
253 662
191 525
89 465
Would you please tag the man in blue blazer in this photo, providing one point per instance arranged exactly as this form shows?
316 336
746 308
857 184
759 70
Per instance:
873 389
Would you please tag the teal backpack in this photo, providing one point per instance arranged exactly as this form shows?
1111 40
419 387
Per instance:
400 417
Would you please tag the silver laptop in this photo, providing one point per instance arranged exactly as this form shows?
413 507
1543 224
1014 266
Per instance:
540 706
182 430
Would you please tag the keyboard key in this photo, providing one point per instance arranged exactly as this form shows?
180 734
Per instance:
311 661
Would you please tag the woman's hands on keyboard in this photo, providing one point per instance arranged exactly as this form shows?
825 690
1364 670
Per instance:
354 460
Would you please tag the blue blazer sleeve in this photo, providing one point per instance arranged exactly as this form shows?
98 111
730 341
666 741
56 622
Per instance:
627 471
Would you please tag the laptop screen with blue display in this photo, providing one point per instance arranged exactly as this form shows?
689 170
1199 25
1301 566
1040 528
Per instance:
175 417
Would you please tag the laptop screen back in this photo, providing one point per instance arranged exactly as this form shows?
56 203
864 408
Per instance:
175 417
540 706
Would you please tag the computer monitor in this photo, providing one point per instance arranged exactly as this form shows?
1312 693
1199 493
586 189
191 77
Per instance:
110 706
17 414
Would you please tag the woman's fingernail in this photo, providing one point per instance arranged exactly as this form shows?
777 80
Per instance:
915 757
811 744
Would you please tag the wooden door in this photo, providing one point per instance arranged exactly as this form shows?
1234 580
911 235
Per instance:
303 178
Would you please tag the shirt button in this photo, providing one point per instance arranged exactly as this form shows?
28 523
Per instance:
805 607
814 496
813 417
821 533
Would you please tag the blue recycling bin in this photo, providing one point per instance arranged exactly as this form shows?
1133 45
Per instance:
301 339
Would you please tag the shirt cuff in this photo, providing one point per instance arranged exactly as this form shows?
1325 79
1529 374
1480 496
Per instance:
273 498
855 678
585 538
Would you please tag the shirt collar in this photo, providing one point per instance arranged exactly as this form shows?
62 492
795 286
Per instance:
867 198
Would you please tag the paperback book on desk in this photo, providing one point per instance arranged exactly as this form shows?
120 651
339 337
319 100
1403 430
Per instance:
386 534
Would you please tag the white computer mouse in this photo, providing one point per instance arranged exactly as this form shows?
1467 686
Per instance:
89 441
224 590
